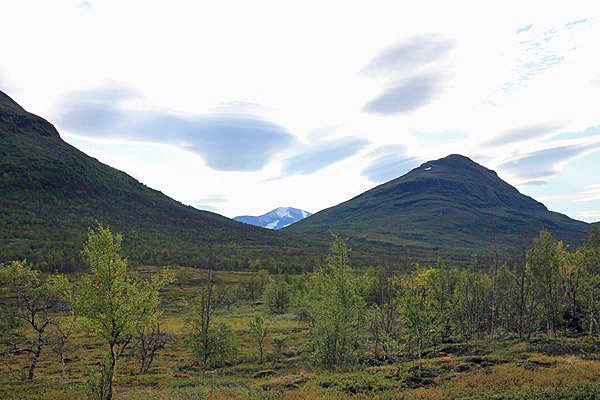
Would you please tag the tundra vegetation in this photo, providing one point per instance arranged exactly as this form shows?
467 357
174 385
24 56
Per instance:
525 330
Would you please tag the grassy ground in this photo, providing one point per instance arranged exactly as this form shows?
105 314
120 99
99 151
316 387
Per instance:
508 369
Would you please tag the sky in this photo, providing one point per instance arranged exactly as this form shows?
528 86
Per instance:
240 107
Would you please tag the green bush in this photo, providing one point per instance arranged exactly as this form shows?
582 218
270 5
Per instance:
277 297
218 345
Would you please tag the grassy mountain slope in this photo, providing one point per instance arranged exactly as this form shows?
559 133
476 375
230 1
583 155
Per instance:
450 206
52 192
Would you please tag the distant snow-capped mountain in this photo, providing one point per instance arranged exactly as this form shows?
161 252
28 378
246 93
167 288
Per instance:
275 219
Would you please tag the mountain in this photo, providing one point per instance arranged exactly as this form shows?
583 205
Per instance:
452 207
51 193
275 219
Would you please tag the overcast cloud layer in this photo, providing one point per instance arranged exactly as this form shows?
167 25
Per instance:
241 107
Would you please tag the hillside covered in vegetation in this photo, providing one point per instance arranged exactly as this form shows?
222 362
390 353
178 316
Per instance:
52 193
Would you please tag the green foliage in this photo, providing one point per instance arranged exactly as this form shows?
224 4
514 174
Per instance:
256 284
473 300
99 380
383 314
7 323
35 298
213 347
279 342
420 316
210 344
455 303
359 383
336 308
543 262
277 296
114 304
593 240
259 328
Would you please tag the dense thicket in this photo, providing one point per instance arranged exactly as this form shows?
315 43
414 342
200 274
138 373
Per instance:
549 290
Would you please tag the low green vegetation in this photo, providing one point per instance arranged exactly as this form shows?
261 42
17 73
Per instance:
523 331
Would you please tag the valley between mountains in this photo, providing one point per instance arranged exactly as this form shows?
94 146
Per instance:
451 207
443 283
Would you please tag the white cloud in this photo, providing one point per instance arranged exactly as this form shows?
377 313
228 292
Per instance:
86 6
588 216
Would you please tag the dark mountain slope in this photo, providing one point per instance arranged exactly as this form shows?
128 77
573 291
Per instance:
51 193
452 206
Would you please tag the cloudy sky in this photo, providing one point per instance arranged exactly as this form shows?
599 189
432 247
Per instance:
242 106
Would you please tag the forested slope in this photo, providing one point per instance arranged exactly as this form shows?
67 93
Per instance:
51 193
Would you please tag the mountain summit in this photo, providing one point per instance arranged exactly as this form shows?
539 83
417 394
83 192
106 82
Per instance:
275 219
447 206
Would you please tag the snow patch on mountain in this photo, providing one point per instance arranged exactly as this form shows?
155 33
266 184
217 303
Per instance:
272 225
283 212
275 219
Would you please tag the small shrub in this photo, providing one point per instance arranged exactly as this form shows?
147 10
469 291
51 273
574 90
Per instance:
277 297
214 347
99 380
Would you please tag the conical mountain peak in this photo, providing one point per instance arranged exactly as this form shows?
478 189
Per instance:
458 179
449 204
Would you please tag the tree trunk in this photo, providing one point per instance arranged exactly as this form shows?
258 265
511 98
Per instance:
36 357
111 373
62 362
